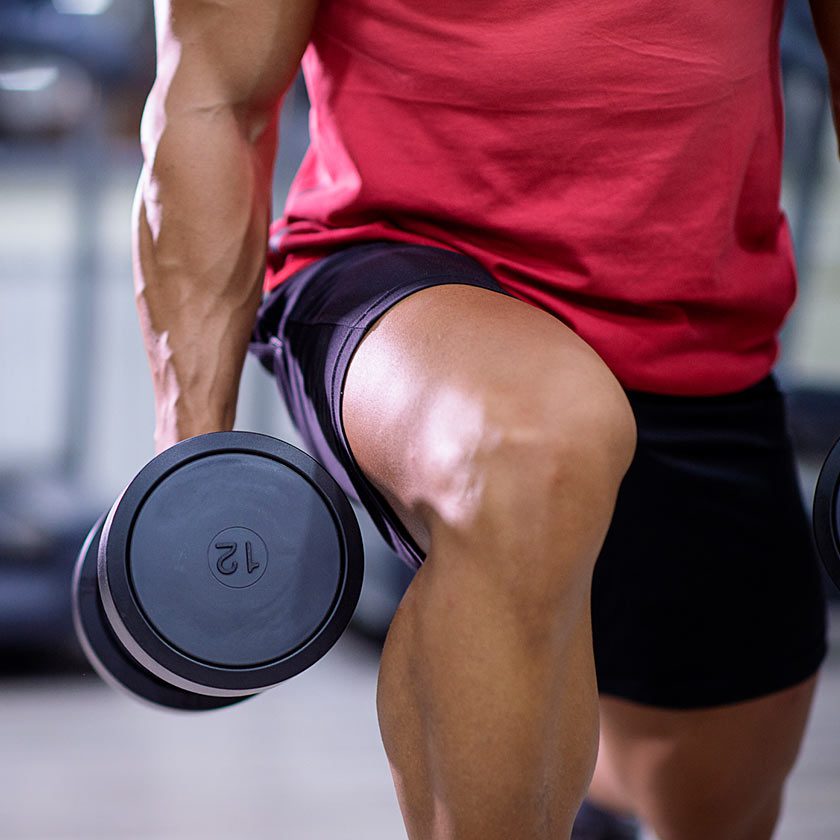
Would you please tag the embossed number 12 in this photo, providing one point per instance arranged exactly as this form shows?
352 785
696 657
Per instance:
227 565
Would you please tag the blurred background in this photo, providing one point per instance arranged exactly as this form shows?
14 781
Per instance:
304 760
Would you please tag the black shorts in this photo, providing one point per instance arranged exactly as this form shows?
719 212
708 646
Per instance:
707 590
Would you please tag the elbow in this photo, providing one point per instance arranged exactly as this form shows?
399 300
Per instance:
255 123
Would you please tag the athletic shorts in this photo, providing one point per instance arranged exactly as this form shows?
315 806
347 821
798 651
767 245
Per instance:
707 590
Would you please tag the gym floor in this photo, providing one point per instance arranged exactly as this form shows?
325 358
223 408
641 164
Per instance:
301 762
304 761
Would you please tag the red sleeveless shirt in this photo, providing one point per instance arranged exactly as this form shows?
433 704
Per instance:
616 163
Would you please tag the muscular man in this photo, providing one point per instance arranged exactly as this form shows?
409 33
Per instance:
523 303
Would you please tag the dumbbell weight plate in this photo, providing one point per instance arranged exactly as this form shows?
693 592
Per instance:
827 513
231 562
108 657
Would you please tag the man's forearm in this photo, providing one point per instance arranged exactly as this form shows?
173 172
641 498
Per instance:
201 214
200 227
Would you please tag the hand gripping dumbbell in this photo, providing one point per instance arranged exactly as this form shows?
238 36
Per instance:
230 563
827 513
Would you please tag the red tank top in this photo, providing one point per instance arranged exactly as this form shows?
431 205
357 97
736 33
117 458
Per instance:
614 162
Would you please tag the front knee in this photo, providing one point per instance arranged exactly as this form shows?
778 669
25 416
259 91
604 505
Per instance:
531 495
542 460
554 453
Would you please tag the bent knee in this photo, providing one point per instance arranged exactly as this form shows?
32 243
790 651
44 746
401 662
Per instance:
536 453
530 493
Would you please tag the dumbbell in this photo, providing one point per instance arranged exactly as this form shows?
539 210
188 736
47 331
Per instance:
231 562
826 513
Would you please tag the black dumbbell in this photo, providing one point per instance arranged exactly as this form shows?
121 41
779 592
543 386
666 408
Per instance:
827 513
230 563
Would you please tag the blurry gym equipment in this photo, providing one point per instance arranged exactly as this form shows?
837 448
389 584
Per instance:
58 60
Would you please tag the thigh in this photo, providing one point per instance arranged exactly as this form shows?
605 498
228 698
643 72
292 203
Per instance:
447 372
395 360
310 328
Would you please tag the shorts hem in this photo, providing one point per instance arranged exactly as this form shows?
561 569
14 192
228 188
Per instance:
700 695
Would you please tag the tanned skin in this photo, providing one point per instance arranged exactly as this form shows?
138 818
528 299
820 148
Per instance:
487 700
209 137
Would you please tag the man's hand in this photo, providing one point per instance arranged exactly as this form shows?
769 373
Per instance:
827 23
200 222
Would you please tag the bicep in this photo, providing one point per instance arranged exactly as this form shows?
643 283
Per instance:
209 131
231 53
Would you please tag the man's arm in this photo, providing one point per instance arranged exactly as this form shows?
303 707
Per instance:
827 22
202 208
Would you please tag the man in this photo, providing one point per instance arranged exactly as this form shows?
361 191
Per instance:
523 236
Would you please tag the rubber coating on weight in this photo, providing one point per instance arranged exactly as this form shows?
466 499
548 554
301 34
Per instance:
108 657
173 564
